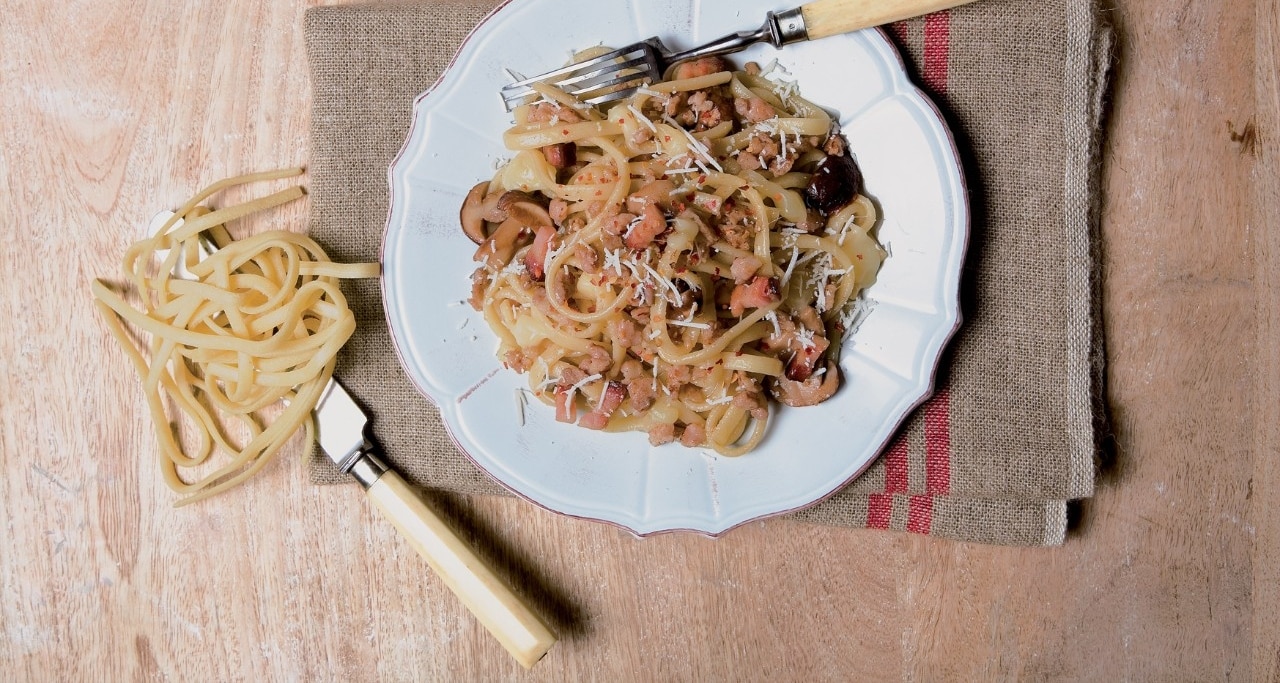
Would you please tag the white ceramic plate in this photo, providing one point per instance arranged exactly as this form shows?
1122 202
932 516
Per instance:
911 169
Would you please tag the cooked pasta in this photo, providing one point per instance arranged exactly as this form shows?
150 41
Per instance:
256 322
667 263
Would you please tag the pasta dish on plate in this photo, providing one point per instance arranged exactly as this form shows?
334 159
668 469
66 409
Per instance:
671 262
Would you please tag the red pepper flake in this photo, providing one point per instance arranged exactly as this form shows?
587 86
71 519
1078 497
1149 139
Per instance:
622 120
599 192
564 131
859 257
666 138
739 352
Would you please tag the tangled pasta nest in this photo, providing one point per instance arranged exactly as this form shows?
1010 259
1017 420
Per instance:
229 335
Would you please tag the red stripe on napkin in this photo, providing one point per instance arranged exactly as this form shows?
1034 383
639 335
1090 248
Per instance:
900 31
920 514
895 466
937 444
937 51
879 508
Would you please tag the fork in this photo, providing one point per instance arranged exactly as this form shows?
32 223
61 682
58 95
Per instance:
618 74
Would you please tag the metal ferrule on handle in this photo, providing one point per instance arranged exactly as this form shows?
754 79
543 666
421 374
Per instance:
779 29
367 469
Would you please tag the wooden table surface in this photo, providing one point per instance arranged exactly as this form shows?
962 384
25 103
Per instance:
111 111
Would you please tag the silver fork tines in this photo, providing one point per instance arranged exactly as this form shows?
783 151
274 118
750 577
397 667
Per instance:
608 77
618 74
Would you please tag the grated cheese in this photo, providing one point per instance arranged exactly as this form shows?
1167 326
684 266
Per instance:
696 144
804 335
772 317
551 255
584 382
855 313
613 259
642 118
686 323
662 281
631 226
786 275
581 383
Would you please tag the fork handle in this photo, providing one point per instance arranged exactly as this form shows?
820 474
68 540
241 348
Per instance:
824 18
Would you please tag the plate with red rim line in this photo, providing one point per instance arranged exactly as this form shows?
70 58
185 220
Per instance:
912 171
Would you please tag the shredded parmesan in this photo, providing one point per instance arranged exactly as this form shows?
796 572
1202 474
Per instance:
804 335
664 282
631 226
551 255
696 144
641 117
686 323
613 259
791 266
772 317
843 229
584 382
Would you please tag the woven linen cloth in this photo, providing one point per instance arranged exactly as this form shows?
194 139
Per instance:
1009 437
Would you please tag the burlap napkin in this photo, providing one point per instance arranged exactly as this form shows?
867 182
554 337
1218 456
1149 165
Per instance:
1009 437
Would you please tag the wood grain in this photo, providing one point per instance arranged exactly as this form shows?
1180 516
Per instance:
112 112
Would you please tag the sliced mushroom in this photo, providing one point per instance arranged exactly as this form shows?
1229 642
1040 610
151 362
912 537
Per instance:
497 250
524 216
522 207
499 207
472 214
809 392
835 182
